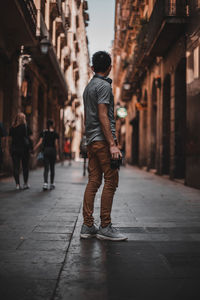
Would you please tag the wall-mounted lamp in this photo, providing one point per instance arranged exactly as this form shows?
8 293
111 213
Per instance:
158 82
44 45
127 86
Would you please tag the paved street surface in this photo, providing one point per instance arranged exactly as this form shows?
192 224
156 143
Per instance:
43 258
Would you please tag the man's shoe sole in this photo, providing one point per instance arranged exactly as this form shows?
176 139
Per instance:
108 238
87 235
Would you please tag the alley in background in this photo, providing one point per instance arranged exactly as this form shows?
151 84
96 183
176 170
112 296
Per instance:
43 258
44 67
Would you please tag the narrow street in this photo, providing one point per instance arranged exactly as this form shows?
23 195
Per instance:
43 258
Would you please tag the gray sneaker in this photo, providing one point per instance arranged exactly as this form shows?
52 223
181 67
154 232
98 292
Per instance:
45 186
88 232
26 186
110 233
52 186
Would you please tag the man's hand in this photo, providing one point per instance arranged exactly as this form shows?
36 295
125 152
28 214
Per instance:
105 125
115 152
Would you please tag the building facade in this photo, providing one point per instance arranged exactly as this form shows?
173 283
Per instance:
36 54
154 51
193 96
77 73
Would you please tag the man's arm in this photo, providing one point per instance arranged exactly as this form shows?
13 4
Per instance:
38 144
105 125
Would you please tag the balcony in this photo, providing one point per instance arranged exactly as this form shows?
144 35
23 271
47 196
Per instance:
68 16
140 58
59 3
49 63
19 19
86 16
155 37
42 30
165 25
30 13
61 12
85 5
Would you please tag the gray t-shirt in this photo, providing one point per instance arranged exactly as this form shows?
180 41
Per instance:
96 92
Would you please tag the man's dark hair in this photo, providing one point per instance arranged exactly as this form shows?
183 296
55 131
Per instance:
101 61
49 124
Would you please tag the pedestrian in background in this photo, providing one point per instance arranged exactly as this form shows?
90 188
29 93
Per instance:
3 135
20 148
102 150
49 141
67 149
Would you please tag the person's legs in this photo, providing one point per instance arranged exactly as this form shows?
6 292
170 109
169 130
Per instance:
25 166
106 230
16 166
46 168
52 161
110 183
94 182
99 162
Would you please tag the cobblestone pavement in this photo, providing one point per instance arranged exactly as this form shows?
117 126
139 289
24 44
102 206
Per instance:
43 258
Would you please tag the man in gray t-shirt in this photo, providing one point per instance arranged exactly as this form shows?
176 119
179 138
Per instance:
98 91
102 148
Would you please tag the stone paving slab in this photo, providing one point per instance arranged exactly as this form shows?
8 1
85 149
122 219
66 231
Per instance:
31 289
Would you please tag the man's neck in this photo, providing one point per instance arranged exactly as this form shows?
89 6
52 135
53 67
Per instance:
102 74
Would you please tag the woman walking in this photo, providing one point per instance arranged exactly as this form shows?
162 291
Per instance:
49 141
20 148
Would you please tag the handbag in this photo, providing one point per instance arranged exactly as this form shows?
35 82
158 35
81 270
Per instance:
40 156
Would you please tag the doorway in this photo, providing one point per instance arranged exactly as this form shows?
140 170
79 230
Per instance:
166 124
153 126
135 140
180 119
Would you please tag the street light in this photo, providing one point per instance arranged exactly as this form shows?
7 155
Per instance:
44 45
122 112
127 86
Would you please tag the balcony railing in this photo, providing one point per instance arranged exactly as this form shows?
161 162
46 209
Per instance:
165 10
149 42
30 12
61 12
42 30
139 54
59 3
156 36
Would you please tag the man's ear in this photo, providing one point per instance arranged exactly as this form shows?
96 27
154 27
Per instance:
108 70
